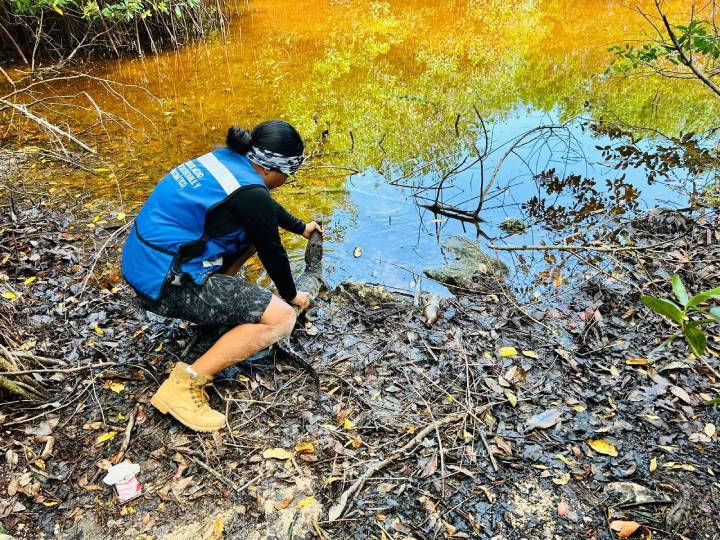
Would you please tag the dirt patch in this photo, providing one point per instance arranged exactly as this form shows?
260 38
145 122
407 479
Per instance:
525 391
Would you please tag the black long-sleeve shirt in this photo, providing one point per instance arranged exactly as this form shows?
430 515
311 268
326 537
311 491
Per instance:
253 209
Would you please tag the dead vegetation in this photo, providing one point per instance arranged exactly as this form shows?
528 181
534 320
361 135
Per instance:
501 419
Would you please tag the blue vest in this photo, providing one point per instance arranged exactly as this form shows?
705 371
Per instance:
168 237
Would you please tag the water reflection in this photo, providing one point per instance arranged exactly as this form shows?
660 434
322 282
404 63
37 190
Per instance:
394 89
589 202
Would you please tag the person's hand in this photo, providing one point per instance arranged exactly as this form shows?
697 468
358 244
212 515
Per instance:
312 226
301 300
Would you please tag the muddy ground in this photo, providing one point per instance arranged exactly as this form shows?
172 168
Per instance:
506 419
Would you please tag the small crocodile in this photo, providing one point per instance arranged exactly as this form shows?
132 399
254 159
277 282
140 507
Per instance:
311 282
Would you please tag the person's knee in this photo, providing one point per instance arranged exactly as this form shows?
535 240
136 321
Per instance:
279 316
287 322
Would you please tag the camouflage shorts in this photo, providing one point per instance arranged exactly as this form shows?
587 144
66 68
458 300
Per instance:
221 300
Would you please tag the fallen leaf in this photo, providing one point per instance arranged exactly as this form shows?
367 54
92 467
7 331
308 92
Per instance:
9 295
562 509
99 331
544 419
305 447
512 398
276 453
106 437
699 437
283 504
674 365
653 464
29 280
637 361
601 446
117 387
709 430
120 216
683 395
347 424
507 352
304 503
624 529
675 465
531 354
217 531
562 479
430 466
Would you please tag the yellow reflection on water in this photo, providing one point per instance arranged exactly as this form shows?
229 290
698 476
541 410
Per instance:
376 84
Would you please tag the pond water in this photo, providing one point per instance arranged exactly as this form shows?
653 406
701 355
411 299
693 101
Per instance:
394 92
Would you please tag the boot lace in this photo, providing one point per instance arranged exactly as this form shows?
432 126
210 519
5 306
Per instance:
199 396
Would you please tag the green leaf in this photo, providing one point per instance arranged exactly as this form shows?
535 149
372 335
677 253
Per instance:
696 339
714 401
679 290
715 313
666 308
704 297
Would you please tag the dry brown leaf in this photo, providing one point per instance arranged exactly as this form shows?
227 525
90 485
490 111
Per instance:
683 395
282 505
624 529
430 466
277 453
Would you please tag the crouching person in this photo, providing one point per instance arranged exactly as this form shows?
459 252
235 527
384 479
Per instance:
195 231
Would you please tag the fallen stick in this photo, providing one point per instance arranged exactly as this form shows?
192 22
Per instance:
128 435
563 247
59 370
22 109
337 509
41 359
216 474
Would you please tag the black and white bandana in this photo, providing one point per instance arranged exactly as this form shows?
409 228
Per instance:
273 160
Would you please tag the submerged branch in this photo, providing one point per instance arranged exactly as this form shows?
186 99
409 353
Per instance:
601 249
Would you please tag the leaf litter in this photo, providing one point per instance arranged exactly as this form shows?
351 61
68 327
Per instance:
572 432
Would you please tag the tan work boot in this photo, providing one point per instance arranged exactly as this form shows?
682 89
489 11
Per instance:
182 395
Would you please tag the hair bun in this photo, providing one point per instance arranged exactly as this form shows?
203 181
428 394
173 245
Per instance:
239 140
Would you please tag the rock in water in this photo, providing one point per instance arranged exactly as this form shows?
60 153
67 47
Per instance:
512 226
469 264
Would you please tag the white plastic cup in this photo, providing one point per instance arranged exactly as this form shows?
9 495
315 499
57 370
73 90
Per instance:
124 477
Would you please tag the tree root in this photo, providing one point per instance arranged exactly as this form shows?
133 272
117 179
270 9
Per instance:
21 390
23 387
